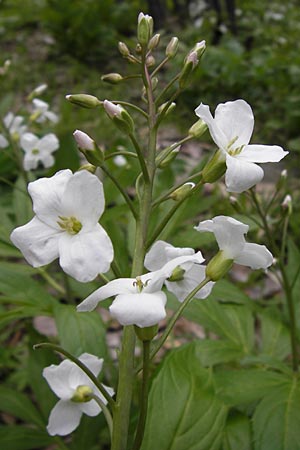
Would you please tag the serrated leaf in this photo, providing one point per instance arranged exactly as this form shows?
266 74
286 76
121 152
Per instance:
276 421
15 437
184 411
80 332
17 404
242 387
237 433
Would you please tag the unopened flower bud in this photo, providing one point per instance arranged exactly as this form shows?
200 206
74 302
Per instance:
5 67
287 204
89 148
123 49
191 62
169 158
197 129
182 191
82 394
112 78
154 41
200 48
138 48
282 180
171 107
84 100
89 167
177 274
154 83
218 266
150 61
37 91
144 29
146 333
215 168
119 116
172 47
236 204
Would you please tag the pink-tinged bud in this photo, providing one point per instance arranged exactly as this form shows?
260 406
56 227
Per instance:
111 109
84 100
172 47
200 48
83 140
150 61
119 116
287 204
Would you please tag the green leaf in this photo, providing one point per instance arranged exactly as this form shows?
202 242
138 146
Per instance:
211 352
15 437
19 405
80 332
237 433
275 336
242 387
184 411
276 421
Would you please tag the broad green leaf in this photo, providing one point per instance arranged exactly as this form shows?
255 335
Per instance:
16 437
19 405
276 421
184 411
241 387
227 292
237 433
275 336
80 332
211 352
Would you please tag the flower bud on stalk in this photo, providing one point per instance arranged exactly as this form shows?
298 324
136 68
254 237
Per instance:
37 91
182 191
119 116
150 61
218 266
215 168
197 129
112 78
84 100
172 47
89 148
191 62
154 41
169 158
171 107
144 29
123 49
287 204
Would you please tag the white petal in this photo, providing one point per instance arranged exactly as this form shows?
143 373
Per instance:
162 252
84 198
47 194
229 233
216 132
64 418
40 105
262 153
92 362
255 256
192 278
30 161
47 161
16 125
52 116
114 287
85 254
48 143
235 120
57 377
142 309
8 119
3 141
241 175
37 241
28 142
90 408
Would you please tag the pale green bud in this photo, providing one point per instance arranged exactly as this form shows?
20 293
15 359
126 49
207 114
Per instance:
172 47
123 49
150 61
287 204
37 91
215 168
177 274
144 29
154 41
236 204
112 78
119 116
218 266
169 158
89 167
84 100
282 180
182 191
171 107
197 129
146 333
138 48
191 62
82 394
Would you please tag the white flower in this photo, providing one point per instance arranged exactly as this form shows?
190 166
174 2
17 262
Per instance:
83 140
65 226
38 150
229 234
69 382
120 161
14 126
231 130
188 272
41 112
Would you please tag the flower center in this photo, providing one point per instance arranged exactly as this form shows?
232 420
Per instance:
70 224
234 151
139 284
82 394
35 151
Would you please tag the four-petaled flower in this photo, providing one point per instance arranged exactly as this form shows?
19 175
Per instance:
231 130
230 236
74 389
14 126
186 275
41 112
38 150
67 207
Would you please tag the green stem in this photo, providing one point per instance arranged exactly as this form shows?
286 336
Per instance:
60 443
82 366
131 105
144 397
106 413
166 151
51 281
121 190
140 156
160 65
167 87
112 155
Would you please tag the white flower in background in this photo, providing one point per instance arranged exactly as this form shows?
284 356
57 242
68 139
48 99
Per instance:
186 275
230 236
38 150
41 112
67 207
120 161
14 126
73 387
231 130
